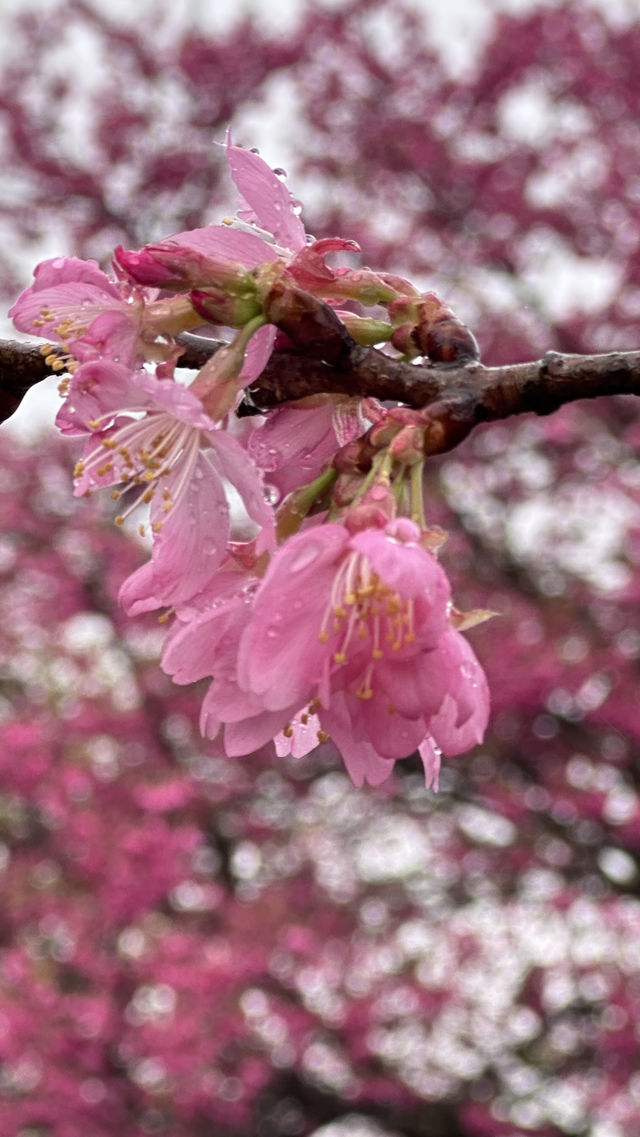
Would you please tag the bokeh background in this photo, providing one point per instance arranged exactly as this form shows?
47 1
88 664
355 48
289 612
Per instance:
192 946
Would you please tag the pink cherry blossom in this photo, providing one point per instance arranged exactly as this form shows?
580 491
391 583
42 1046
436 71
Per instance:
74 303
295 443
176 460
347 637
206 642
359 625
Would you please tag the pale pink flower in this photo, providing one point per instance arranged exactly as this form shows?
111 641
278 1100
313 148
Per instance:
74 303
173 459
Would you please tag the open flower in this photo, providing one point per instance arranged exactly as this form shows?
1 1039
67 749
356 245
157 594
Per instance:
75 304
151 437
357 626
347 637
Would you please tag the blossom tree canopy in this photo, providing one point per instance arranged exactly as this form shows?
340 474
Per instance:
333 510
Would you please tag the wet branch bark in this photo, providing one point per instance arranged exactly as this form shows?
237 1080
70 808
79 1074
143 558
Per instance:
458 397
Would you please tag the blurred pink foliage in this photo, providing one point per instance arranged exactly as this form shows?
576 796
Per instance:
193 944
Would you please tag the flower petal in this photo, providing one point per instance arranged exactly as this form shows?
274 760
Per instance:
269 202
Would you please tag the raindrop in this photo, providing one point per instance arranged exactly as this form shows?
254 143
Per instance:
272 494
279 172
304 558
253 150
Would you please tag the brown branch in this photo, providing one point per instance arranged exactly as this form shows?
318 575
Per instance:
457 397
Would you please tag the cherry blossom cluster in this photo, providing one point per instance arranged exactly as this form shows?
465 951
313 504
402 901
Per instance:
291 555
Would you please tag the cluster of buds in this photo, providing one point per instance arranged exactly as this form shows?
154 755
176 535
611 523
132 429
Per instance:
291 556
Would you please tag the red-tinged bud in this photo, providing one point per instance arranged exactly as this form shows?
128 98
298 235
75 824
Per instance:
375 508
401 286
408 416
346 489
408 446
354 457
169 265
425 325
402 339
441 335
218 307
382 433
311 325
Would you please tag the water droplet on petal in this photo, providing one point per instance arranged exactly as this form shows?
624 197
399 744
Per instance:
271 493
304 557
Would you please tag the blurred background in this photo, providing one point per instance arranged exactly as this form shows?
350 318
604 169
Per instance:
193 946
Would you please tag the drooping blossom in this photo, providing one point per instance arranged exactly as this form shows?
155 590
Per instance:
360 624
353 629
204 643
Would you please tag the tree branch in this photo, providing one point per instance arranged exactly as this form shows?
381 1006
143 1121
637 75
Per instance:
457 397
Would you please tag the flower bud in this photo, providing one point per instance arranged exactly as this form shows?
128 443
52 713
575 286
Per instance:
179 267
436 332
312 326
218 307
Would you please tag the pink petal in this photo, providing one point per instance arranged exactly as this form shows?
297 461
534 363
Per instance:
465 679
258 353
191 544
302 740
96 389
250 734
270 203
176 400
224 241
77 300
431 762
233 463
281 655
190 649
392 735
363 762
404 565
416 685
